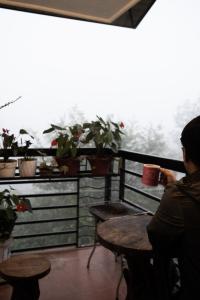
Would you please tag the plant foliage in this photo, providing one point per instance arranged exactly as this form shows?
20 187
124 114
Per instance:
66 139
104 134
10 204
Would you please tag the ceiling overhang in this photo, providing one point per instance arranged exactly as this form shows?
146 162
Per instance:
125 13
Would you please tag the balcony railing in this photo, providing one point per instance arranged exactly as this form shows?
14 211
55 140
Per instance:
60 204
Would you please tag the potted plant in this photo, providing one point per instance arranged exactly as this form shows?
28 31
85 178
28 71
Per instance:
7 166
27 165
67 140
103 135
45 169
10 205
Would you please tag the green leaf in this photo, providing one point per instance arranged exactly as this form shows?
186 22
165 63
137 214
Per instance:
15 199
101 120
12 189
10 213
28 143
109 136
115 124
57 127
86 125
48 130
72 130
23 131
89 137
121 132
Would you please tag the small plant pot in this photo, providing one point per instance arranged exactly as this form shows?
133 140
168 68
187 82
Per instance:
100 165
27 167
7 169
46 171
68 166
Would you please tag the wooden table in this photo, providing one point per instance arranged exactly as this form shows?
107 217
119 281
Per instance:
23 273
127 235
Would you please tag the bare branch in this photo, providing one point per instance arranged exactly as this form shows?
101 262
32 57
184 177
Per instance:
8 103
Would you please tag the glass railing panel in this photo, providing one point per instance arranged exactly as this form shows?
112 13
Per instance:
44 242
141 200
50 201
47 214
37 185
42 228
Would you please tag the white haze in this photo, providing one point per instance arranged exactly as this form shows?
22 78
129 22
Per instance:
56 64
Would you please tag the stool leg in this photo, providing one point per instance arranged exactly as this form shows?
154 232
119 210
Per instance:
94 247
120 279
25 290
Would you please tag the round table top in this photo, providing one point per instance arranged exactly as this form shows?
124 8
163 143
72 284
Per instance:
24 267
126 235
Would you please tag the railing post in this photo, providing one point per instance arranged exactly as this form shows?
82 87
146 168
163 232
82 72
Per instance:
78 213
108 183
122 178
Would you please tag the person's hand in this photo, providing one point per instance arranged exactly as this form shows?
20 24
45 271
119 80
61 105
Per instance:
166 176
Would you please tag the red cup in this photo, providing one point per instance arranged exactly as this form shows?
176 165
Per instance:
151 174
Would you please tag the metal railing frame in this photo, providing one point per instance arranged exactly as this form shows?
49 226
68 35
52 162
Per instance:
124 156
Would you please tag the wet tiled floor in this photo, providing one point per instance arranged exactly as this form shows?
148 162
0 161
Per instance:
69 279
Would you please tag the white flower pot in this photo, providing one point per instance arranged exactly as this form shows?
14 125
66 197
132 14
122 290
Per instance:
27 168
7 169
5 249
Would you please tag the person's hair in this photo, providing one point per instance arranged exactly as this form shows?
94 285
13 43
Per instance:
190 139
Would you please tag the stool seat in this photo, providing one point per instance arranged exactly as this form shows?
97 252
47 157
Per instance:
23 272
104 212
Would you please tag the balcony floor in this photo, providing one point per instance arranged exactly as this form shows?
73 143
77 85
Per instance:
70 279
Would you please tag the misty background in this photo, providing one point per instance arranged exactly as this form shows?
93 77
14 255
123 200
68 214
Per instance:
68 71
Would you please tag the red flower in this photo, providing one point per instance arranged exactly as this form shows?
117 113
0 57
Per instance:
21 207
121 125
54 143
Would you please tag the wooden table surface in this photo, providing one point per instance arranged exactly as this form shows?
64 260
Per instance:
126 235
24 267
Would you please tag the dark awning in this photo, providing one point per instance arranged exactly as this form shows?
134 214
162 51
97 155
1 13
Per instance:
125 13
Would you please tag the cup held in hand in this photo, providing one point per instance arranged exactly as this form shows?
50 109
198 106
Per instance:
151 174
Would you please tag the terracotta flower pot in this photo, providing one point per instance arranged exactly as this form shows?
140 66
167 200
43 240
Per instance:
68 166
7 169
100 165
27 167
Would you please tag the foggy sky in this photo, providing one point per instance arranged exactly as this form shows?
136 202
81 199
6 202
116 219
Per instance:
56 64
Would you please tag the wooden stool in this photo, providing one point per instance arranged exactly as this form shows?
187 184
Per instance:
128 236
108 211
105 212
23 273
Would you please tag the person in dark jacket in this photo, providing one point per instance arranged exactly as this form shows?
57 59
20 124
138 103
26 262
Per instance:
175 228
